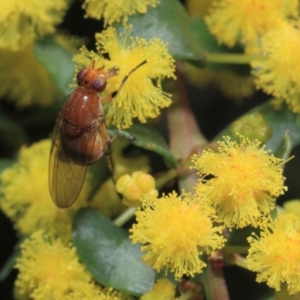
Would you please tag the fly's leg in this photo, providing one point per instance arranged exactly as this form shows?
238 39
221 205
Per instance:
114 94
102 128
106 141
112 72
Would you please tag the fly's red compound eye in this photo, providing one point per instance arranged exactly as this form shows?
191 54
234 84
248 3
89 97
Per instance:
100 83
81 76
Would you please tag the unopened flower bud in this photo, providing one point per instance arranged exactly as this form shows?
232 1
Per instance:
122 183
136 187
253 126
144 181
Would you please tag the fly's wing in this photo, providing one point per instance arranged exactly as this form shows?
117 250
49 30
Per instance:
66 177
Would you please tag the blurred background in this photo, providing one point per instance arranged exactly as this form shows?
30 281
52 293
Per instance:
213 112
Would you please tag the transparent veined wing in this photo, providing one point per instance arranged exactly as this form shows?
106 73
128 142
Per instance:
66 172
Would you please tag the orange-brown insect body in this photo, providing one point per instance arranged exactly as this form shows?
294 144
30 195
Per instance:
81 116
80 136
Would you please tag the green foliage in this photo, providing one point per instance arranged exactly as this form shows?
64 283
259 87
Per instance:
280 122
109 255
147 137
169 22
104 248
58 61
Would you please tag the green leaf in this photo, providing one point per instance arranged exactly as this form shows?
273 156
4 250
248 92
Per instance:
204 37
58 61
97 174
169 22
279 121
109 255
269 295
147 137
10 262
207 40
211 45
238 236
8 266
40 115
10 128
285 147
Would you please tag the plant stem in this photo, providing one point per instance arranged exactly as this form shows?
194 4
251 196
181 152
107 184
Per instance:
238 260
236 249
124 217
185 136
160 182
167 176
230 58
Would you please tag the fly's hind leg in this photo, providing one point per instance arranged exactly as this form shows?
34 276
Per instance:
106 141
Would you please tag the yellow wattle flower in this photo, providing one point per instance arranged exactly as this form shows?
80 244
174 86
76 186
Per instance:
22 22
275 255
233 21
141 96
163 289
115 10
175 230
48 269
278 72
25 197
241 181
24 80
